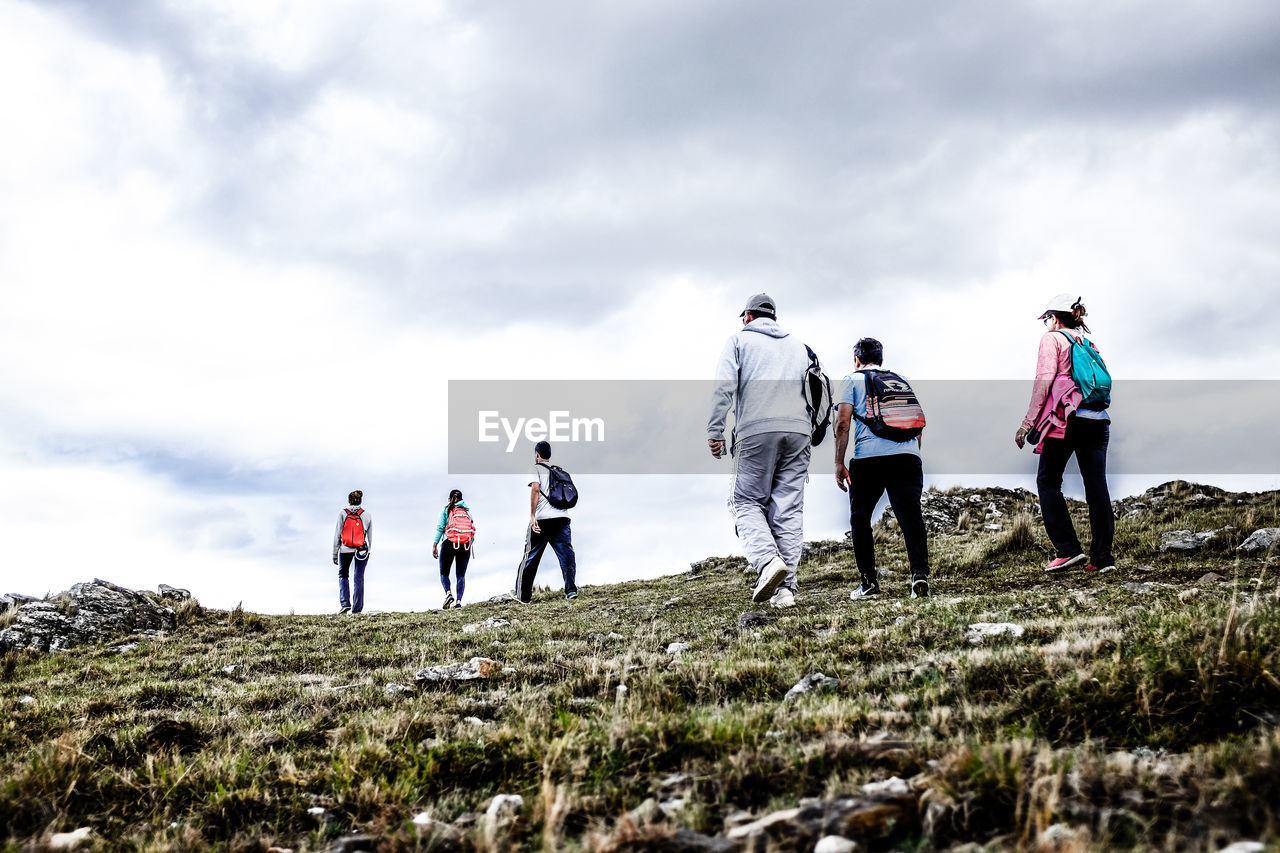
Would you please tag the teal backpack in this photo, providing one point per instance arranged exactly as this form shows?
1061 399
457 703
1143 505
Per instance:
1090 374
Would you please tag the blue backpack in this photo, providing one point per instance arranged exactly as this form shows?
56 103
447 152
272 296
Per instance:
1090 374
561 492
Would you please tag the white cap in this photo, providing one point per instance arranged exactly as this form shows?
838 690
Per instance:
1063 302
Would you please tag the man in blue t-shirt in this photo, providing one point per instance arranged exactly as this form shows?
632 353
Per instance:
878 465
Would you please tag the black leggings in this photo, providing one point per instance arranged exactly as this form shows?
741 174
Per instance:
448 553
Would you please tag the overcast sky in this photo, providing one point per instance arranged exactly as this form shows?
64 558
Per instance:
244 245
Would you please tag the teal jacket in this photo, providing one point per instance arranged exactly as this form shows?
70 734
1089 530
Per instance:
444 520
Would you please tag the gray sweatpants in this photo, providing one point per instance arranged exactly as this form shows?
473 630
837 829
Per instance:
769 473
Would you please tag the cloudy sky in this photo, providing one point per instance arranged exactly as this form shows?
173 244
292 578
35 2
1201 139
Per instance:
244 246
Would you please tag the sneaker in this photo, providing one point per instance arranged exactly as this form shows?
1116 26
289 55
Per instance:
570 596
457 603
920 588
345 609
1091 568
783 598
1063 563
448 600
770 578
865 591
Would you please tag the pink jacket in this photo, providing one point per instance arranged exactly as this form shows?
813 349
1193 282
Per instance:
1054 396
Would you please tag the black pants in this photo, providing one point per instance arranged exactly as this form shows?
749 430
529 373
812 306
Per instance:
1088 440
902 476
555 532
449 553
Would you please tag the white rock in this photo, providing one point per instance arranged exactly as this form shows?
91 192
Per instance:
71 840
423 819
816 681
1244 847
316 811
672 807
475 721
503 809
892 785
230 669
621 692
1260 540
750 829
393 689
979 631
835 844
27 700
491 622
677 648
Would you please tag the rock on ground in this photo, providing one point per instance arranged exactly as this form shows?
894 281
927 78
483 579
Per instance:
1261 540
980 631
1186 542
865 818
71 840
86 613
469 671
503 810
814 682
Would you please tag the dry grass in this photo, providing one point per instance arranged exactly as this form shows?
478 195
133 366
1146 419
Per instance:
1140 719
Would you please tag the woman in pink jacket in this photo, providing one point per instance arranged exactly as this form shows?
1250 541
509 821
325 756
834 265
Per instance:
1064 428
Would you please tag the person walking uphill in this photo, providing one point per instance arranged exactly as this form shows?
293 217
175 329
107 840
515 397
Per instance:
1068 415
352 542
551 496
887 422
760 375
458 531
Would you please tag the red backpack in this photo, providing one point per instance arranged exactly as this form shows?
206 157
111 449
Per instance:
460 529
353 529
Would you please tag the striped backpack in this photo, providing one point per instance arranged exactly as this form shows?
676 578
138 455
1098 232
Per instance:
460 529
893 412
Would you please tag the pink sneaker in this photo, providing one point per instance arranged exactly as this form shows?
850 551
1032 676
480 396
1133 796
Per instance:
1063 563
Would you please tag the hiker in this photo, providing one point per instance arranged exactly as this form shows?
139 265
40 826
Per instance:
1068 415
886 457
761 374
551 496
352 541
458 530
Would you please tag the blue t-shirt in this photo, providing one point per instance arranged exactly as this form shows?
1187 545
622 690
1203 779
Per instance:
866 444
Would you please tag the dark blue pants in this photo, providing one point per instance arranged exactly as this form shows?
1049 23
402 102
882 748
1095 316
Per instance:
555 532
451 555
1088 440
344 595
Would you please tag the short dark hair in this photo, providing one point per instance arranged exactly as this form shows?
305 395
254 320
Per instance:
355 497
869 351
543 449
760 314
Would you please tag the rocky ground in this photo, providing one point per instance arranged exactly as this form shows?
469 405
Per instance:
1012 710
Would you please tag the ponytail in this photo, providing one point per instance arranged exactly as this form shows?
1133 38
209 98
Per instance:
1073 319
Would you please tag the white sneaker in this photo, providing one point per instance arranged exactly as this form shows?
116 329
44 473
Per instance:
448 601
783 598
770 578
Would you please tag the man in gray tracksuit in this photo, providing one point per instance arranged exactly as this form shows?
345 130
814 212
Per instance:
760 374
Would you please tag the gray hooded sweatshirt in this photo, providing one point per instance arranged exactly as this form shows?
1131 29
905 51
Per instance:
762 368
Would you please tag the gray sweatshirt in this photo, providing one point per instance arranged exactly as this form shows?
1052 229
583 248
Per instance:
338 547
762 367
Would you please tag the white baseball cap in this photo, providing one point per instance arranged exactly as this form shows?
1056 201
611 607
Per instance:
1063 302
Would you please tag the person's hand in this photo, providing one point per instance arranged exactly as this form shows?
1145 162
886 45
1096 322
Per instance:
533 525
335 559
717 446
435 551
1020 437
842 477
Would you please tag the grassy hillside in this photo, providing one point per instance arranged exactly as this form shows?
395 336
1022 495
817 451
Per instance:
1139 708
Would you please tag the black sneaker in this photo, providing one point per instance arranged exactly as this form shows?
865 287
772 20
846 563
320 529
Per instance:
920 588
346 608
448 600
865 591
